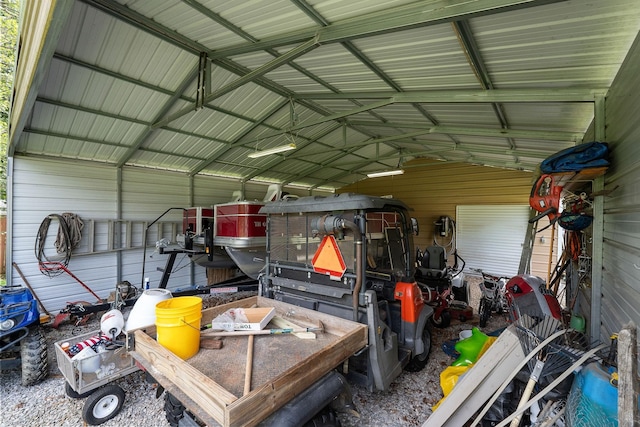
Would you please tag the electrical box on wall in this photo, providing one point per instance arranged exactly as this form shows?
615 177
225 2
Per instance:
443 226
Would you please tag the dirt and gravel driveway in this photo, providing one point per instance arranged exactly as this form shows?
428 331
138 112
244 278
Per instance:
407 403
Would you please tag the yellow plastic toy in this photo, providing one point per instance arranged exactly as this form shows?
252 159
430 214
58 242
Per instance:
470 349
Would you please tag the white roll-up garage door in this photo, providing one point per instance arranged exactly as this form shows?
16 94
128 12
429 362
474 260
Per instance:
491 237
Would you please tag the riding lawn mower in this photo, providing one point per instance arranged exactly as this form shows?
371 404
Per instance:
443 286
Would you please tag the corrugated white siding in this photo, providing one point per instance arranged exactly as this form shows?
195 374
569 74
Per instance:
43 187
146 194
621 247
100 194
490 237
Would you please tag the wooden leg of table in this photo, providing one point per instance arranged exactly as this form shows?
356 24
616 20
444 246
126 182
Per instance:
247 374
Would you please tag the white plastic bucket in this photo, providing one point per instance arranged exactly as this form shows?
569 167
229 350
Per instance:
464 334
143 313
88 360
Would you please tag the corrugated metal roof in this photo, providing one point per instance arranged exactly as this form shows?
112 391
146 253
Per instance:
387 81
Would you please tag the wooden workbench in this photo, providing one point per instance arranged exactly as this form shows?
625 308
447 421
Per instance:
210 384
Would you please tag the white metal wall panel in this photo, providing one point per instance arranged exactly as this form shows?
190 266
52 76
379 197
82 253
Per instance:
209 191
620 301
43 187
146 194
491 237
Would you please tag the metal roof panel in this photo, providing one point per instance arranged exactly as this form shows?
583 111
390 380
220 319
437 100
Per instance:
572 43
118 65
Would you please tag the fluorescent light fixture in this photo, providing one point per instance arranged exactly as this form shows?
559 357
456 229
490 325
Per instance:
385 173
273 150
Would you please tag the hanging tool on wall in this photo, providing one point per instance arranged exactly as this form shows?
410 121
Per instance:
574 216
68 237
545 198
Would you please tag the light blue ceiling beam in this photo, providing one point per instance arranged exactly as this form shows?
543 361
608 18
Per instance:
413 15
469 96
241 81
474 131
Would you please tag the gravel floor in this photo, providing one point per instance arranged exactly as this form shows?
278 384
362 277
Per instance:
408 403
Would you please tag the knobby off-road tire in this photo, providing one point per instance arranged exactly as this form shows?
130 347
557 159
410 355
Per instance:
174 411
325 418
484 311
33 354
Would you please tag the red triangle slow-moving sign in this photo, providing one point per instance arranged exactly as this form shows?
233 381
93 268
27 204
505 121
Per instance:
328 258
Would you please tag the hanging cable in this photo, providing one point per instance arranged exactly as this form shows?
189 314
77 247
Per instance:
68 236
74 225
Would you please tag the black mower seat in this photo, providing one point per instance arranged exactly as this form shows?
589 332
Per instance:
433 263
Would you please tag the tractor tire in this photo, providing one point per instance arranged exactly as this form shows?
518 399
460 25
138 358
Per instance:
173 410
417 363
325 418
484 311
443 320
103 404
34 360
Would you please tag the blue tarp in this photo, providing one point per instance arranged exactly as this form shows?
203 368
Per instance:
577 158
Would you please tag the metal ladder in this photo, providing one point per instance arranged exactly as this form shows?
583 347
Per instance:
527 245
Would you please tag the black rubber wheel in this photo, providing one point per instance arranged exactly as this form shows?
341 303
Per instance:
325 418
33 354
70 392
418 362
103 404
443 320
484 311
173 410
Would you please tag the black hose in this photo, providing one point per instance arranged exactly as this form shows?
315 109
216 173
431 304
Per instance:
64 249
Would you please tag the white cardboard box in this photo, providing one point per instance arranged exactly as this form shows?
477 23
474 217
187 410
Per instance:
258 318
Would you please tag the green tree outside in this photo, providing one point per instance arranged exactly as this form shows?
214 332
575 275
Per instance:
9 14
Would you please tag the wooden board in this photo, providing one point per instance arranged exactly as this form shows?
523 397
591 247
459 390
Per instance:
573 180
479 383
211 383
628 386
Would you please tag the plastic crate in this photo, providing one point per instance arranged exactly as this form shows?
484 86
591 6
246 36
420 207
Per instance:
93 371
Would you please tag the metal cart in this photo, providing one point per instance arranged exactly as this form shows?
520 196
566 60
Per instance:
90 377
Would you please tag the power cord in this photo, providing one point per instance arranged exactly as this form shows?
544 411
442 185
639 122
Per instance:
69 235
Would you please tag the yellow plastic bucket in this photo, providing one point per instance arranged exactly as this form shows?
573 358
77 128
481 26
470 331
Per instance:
178 325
